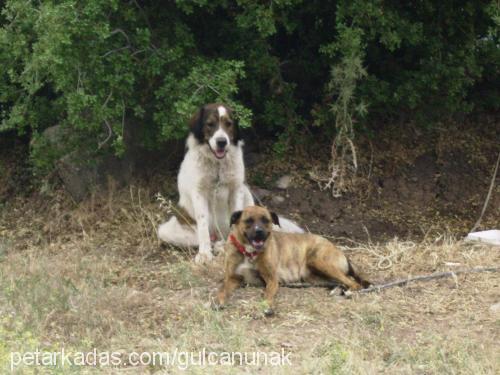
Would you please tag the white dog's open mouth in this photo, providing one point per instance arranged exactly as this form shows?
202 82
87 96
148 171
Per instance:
219 153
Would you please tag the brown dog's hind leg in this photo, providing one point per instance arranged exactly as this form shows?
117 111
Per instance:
353 271
329 270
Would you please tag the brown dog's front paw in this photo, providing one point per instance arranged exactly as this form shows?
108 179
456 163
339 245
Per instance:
268 312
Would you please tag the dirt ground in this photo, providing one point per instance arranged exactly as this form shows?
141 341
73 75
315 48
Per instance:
407 185
93 275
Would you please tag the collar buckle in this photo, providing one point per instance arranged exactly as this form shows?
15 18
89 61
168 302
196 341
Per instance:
241 248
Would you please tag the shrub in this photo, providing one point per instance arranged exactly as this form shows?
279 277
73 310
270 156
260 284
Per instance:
105 68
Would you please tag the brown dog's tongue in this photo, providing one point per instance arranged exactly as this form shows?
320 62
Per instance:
258 244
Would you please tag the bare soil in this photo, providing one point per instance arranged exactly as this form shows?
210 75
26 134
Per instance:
406 186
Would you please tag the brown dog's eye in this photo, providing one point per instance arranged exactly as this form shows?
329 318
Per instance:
265 220
249 221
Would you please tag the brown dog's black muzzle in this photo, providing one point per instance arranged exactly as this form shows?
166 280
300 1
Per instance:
257 237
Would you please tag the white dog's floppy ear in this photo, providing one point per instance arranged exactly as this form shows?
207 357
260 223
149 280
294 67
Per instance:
196 124
275 218
235 217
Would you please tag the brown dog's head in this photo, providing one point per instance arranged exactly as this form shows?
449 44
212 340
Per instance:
254 224
214 125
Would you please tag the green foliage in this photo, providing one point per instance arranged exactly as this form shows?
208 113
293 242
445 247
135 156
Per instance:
344 78
113 73
208 81
345 108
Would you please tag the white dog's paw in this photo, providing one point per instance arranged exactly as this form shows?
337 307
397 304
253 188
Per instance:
203 257
219 247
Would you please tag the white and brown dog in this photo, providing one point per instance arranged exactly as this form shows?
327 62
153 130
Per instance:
211 183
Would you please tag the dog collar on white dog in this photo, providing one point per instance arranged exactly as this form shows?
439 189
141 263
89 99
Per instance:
241 248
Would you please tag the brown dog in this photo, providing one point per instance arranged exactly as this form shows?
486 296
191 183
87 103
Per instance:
254 251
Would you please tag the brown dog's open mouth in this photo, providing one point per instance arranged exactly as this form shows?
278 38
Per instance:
257 244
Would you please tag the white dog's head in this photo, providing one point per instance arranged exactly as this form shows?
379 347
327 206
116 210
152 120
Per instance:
214 125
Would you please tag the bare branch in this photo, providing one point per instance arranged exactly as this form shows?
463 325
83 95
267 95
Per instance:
107 99
110 133
434 276
128 46
401 282
120 31
492 184
115 50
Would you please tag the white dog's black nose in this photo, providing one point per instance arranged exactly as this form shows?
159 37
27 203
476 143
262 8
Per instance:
221 142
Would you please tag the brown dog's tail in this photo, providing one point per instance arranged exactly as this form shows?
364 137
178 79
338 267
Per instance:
353 272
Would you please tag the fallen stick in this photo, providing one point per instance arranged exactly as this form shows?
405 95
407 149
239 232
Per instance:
433 276
377 288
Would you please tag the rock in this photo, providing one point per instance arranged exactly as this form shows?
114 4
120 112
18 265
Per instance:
77 178
80 172
284 182
268 312
348 294
495 309
337 291
80 177
56 135
277 199
253 158
261 193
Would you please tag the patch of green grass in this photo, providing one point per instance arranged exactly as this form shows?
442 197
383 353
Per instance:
258 179
3 246
183 276
437 355
18 340
373 320
334 357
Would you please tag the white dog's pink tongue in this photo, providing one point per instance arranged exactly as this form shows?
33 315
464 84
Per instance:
220 153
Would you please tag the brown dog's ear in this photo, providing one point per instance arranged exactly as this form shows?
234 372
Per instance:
235 217
275 218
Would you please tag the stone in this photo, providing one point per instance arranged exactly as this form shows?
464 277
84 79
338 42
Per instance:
284 182
261 193
495 309
77 177
277 199
253 158
80 177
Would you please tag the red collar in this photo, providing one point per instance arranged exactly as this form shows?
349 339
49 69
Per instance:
241 248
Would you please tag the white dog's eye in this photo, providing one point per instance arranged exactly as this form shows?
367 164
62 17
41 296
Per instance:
211 124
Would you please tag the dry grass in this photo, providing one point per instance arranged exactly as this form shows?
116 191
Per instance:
95 276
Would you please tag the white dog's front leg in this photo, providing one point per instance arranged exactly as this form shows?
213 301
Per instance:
201 211
241 198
